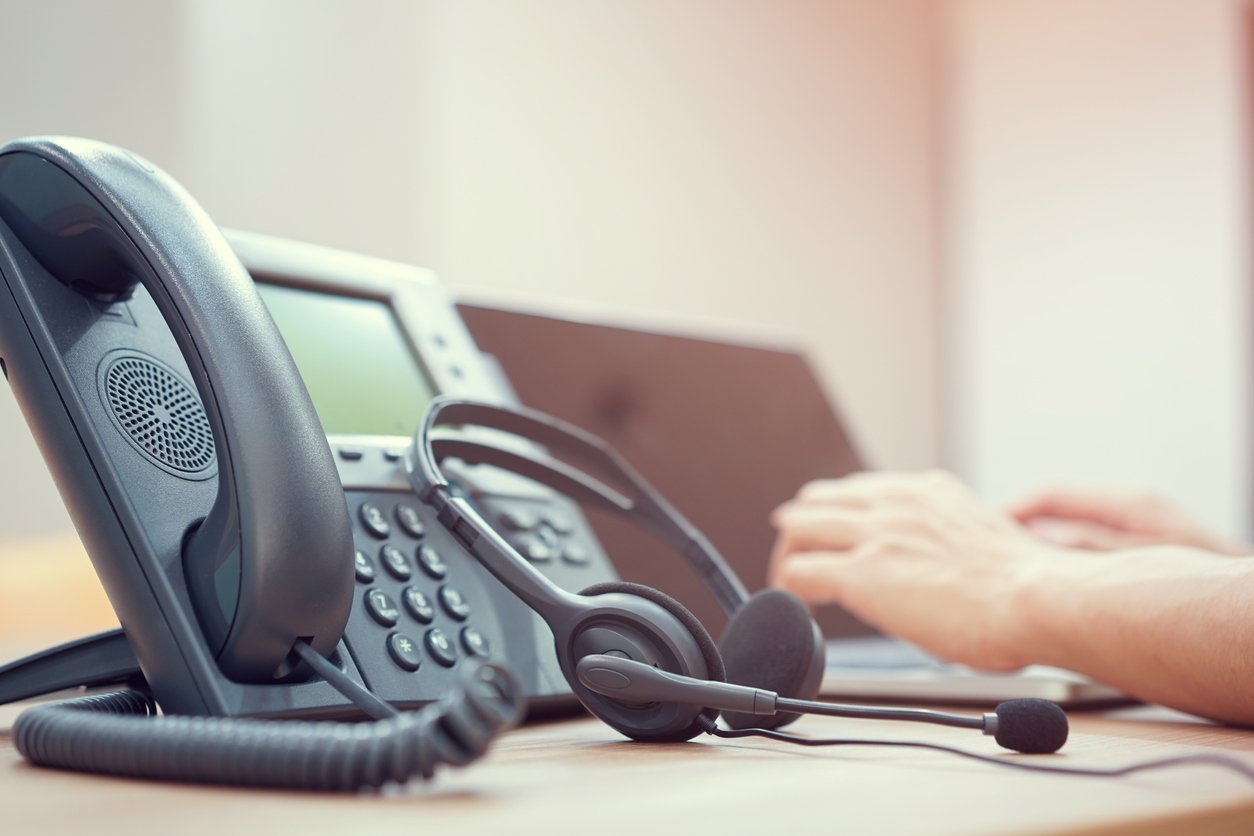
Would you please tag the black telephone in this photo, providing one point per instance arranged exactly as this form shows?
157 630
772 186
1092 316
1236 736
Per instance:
229 514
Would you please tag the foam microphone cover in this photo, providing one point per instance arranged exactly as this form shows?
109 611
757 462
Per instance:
1032 726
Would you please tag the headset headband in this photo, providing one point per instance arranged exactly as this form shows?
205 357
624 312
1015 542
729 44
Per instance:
632 496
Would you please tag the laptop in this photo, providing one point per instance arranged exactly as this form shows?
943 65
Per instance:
727 429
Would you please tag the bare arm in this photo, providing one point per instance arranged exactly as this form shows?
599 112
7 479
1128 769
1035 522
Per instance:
920 557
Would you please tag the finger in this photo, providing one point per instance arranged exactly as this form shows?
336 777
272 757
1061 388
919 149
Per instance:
824 527
1089 506
863 490
814 577
803 528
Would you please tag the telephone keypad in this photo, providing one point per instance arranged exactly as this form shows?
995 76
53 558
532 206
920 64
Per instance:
575 554
475 643
395 561
404 651
435 605
410 522
440 648
418 606
560 523
363 567
382 608
431 562
374 521
535 549
519 519
453 602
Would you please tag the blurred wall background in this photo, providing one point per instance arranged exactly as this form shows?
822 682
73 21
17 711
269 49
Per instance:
1011 234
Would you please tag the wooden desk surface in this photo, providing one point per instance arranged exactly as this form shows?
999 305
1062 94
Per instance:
577 774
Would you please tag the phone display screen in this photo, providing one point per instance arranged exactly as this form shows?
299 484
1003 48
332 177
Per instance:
359 368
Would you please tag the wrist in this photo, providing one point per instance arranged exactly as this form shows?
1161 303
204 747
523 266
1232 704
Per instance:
1043 607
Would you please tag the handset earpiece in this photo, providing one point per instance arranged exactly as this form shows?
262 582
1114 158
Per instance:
270 563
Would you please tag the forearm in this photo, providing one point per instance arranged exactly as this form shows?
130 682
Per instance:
1166 625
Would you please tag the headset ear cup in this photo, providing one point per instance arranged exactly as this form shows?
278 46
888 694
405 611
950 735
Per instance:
773 643
705 642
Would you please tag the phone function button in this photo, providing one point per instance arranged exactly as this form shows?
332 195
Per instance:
440 648
396 562
404 651
575 554
382 608
418 605
453 602
535 550
559 522
410 522
394 454
548 535
351 454
374 521
476 643
431 562
519 519
363 567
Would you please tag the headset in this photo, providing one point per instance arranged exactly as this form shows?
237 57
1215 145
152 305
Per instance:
635 657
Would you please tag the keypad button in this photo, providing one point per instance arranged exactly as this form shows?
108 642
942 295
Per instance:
374 521
575 554
363 567
351 454
453 602
440 648
475 643
395 561
404 651
534 550
431 562
394 454
382 608
418 605
410 522
559 522
519 519
548 535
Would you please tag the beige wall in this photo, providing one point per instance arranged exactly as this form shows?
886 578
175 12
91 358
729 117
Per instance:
767 165
1098 234
79 67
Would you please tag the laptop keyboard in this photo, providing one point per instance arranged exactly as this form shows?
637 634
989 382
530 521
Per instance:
877 653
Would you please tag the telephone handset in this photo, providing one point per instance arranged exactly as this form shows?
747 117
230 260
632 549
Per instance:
233 519
264 563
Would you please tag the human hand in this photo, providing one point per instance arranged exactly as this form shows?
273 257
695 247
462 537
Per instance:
1094 520
916 555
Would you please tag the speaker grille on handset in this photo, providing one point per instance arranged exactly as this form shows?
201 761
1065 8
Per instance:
159 414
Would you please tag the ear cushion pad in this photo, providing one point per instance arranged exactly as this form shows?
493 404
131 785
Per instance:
709 650
773 643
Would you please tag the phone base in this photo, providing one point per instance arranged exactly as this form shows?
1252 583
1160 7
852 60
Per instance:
92 661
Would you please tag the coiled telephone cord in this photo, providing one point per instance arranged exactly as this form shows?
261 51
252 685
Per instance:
120 733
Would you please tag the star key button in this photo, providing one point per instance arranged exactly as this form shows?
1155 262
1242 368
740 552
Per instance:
404 651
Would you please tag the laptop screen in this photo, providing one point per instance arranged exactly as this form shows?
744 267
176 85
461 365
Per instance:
726 431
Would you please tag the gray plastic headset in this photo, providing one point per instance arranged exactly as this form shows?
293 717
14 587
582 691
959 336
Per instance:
771 642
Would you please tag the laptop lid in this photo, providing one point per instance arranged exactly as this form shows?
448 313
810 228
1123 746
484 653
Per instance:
726 429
